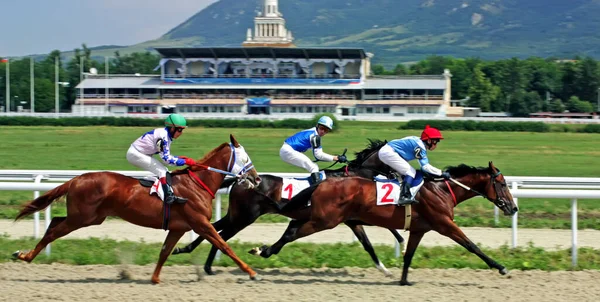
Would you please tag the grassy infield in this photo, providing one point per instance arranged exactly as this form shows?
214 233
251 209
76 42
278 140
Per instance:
519 154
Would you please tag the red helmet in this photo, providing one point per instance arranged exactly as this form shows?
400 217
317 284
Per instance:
431 133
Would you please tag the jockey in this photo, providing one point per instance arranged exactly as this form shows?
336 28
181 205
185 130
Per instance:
292 150
158 141
397 153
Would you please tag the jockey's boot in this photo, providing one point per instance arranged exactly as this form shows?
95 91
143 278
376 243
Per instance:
315 178
405 195
168 190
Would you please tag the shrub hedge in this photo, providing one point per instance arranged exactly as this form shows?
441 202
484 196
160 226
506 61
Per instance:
148 122
478 126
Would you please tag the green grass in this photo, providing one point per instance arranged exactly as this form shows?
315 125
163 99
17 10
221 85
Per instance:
519 154
301 255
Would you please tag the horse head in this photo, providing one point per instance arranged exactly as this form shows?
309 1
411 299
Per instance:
242 165
230 159
487 182
497 191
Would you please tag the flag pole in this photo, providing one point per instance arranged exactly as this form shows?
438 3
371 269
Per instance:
56 80
7 85
32 100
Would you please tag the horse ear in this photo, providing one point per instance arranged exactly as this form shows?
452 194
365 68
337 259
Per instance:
491 165
234 141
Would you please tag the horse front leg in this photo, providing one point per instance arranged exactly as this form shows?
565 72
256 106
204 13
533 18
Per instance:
452 231
413 242
288 236
219 225
231 230
203 227
167 247
359 232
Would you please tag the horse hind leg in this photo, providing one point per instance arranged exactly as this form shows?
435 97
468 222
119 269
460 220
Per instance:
59 227
359 232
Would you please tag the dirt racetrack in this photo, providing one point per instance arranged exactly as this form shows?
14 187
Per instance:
58 282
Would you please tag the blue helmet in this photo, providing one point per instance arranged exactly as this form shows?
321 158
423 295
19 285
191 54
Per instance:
326 121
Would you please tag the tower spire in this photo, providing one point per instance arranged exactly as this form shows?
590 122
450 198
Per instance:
269 28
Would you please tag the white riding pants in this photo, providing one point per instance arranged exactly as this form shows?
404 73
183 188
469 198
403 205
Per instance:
146 162
293 157
389 157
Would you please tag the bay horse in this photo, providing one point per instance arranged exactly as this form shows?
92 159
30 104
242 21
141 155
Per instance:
91 197
338 199
245 206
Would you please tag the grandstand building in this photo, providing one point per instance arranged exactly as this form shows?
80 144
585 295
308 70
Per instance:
268 75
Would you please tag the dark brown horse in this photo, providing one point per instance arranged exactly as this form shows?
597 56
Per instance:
92 197
339 199
245 206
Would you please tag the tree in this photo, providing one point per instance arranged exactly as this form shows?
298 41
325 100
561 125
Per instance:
378 69
556 106
400 69
588 79
533 102
482 93
576 105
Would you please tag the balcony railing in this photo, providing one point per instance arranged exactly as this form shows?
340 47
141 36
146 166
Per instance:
273 76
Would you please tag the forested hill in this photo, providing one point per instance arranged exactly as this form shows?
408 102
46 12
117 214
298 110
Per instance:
409 30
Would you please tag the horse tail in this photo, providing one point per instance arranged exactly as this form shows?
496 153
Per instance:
228 182
44 201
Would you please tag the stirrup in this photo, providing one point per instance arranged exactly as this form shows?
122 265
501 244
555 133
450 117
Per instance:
406 200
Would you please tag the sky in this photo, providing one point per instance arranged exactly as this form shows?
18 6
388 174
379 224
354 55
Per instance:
40 26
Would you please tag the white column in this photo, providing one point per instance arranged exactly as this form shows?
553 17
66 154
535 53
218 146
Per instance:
256 31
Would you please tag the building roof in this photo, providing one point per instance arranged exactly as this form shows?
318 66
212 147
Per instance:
120 82
263 52
409 82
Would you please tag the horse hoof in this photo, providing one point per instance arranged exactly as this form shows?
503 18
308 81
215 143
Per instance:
503 271
209 271
256 278
155 280
255 251
176 251
405 283
16 254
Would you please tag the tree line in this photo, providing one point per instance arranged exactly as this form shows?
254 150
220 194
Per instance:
514 85
69 72
511 85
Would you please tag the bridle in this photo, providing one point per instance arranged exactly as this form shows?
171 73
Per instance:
499 201
242 174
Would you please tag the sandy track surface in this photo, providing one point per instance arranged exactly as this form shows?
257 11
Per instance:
268 233
58 282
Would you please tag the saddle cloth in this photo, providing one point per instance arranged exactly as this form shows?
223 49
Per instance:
292 186
157 189
388 191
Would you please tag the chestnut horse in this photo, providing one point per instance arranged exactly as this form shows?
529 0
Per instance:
245 206
339 199
92 197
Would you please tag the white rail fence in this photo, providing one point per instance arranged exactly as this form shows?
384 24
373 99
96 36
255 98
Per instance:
572 188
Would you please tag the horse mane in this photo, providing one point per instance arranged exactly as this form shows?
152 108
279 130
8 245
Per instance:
374 145
202 160
463 170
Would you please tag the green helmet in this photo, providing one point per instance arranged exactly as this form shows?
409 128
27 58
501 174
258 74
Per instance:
175 120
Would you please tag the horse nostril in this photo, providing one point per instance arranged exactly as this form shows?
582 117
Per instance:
257 180
515 209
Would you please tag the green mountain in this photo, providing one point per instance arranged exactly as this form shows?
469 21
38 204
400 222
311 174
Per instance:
409 30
